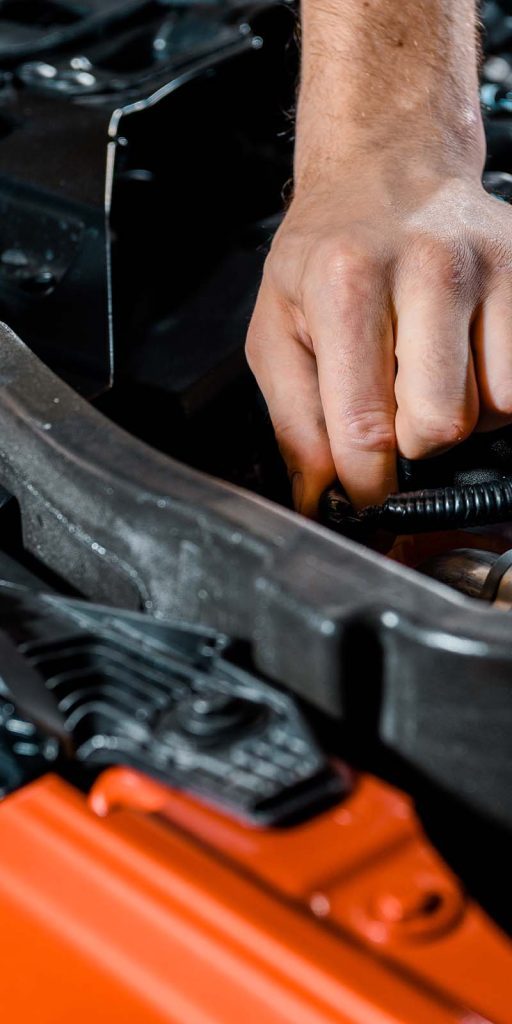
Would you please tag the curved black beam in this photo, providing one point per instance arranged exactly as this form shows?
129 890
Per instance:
348 630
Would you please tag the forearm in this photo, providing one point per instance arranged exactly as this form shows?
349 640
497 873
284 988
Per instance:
387 73
383 321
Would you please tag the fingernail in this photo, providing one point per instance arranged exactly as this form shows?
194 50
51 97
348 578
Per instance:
297 490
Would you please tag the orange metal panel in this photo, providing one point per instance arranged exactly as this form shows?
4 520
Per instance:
294 860
128 918
364 868
123 919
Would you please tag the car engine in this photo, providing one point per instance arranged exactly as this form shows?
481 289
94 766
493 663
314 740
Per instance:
321 711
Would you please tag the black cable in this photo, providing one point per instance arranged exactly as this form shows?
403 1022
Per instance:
442 508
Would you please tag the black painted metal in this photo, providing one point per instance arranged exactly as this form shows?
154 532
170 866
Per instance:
361 638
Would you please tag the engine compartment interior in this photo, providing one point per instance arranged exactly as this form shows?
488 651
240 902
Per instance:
145 159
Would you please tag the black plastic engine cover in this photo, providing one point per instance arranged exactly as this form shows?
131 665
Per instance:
123 127
118 688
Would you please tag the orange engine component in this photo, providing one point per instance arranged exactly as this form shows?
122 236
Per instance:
142 905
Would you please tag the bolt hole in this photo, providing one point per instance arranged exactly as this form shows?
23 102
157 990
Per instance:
433 902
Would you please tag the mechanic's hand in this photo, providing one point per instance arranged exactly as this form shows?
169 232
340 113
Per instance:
383 324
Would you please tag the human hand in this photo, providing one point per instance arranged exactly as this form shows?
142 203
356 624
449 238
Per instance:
384 323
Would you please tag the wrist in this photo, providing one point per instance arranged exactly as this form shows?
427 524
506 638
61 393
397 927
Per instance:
399 143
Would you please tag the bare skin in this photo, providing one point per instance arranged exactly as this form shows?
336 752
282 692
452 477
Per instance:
384 318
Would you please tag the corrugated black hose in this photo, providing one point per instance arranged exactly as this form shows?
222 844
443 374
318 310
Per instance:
441 508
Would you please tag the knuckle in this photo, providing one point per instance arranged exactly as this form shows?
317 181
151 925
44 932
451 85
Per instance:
299 443
443 430
503 259
448 263
370 430
251 347
502 398
344 266
281 270
272 269
299 431
286 440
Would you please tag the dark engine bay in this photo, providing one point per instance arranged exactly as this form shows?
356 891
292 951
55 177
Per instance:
161 606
